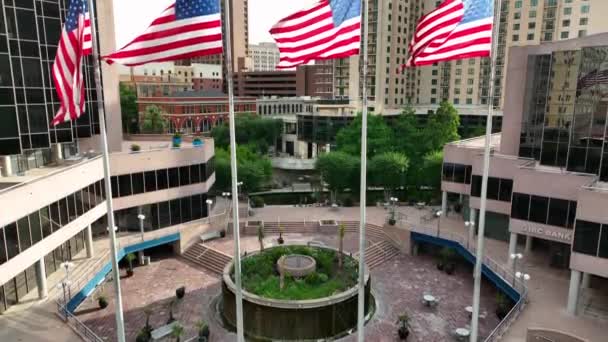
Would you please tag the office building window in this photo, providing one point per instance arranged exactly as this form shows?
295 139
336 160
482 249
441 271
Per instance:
564 34
457 173
566 23
585 9
515 38
530 36
582 33
583 21
586 237
499 189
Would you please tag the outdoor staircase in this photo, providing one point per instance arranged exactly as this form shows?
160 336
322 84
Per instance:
272 228
379 253
208 258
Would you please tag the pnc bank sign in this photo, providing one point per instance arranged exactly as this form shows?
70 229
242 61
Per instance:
550 234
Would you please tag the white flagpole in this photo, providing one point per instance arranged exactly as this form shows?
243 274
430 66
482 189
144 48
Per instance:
120 324
235 198
484 181
363 194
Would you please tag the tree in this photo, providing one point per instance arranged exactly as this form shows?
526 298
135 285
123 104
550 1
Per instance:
336 169
388 170
154 122
408 135
252 130
380 137
430 173
128 108
341 232
442 127
253 169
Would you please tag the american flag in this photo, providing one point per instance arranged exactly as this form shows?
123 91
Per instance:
456 29
186 29
326 30
74 44
595 77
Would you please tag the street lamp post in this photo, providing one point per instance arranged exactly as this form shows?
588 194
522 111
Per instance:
515 257
65 286
209 202
523 276
140 254
438 214
470 230
394 201
239 184
141 218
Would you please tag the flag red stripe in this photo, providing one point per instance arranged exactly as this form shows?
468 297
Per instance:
321 41
303 13
302 25
306 35
312 56
478 41
176 31
166 47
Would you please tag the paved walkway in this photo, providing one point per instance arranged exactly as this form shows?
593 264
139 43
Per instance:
398 286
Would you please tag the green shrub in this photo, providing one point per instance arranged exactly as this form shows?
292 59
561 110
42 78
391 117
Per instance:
257 202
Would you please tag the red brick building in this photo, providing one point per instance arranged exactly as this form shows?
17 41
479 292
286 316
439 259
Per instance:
194 112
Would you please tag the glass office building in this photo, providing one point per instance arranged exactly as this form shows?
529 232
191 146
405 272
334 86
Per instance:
29 33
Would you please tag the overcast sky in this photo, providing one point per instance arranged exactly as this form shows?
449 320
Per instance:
131 17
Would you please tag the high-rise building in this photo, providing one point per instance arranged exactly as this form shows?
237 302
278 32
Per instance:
464 82
265 56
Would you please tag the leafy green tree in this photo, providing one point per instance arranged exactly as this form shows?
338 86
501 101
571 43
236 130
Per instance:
388 170
253 169
380 137
408 135
430 172
442 127
338 170
128 108
154 122
475 131
250 129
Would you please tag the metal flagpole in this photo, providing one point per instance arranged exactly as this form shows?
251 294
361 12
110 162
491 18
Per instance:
363 194
120 324
484 181
235 198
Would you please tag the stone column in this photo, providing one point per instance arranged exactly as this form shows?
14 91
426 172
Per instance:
575 286
41 279
512 248
528 248
89 242
444 203
586 280
472 218
6 165
57 153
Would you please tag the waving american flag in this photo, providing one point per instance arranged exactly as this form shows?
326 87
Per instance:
328 29
456 29
74 44
188 28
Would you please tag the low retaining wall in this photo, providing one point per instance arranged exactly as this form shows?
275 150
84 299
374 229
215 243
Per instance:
546 335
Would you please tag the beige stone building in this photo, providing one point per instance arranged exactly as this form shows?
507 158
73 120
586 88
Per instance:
464 82
265 56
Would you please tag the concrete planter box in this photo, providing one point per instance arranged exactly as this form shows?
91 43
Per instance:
328 224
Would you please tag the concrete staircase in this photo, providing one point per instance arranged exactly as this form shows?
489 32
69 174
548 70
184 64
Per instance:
379 253
208 258
272 228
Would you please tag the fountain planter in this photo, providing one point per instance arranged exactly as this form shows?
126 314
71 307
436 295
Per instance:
267 319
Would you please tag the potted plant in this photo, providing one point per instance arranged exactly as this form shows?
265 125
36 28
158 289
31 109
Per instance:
203 331
177 331
392 221
180 292
197 142
130 258
403 329
280 240
503 305
177 139
446 260
261 236
135 148
102 301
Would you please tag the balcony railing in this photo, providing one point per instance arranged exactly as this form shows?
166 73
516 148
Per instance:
77 325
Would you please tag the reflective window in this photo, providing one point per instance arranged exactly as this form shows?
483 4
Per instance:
520 206
137 180
173 177
538 209
558 212
586 237
162 179
124 185
150 180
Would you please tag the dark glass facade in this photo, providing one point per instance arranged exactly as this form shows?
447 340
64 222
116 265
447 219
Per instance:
29 33
499 189
140 182
551 211
20 235
457 173
163 214
591 238
13 291
564 119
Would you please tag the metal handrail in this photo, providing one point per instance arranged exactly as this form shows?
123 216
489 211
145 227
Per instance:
77 325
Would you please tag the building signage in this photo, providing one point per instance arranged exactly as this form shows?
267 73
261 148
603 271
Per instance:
550 234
